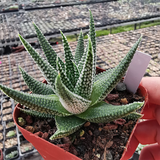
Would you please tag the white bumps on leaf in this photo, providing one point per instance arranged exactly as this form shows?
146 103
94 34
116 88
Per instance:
72 102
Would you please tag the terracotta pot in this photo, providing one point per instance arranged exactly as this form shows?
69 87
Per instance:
50 151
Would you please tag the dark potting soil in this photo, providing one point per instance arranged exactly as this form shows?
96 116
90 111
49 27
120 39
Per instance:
92 141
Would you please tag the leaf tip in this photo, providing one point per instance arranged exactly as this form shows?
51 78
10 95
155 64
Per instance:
20 68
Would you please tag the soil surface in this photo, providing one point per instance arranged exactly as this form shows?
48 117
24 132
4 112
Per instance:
92 141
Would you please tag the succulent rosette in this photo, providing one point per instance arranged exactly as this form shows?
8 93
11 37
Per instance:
74 94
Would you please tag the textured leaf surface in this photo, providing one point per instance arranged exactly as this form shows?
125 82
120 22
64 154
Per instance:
92 32
48 50
62 64
79 49
92 35
133 116
64 78
83 59
46 104
67 126
68 60
85 81
49 72
36 86
36 113
76 71
103 112
106 84
71 102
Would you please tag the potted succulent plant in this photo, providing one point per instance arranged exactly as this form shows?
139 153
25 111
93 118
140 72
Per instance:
74 94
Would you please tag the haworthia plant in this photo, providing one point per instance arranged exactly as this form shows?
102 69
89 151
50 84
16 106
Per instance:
74 93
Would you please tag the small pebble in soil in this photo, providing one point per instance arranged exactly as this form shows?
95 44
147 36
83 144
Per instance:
110 126
39 134
30 129
81 133
120 121
45 136
29 119
121 86
87 124
137 97
90 132
111 97
82 138
124 101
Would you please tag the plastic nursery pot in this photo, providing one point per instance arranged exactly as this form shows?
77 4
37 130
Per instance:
50 151
11 153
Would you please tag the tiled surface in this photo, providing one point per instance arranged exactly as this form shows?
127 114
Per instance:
72 18
47 3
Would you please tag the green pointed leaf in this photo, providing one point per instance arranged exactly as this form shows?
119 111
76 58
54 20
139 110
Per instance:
106 84
36 86
103 112
64 78
68 60
84 85
47 48
92 35
92 32
66 126
133 116
36 113
48 104
49 72
80 48
76 71
83 59
71 102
